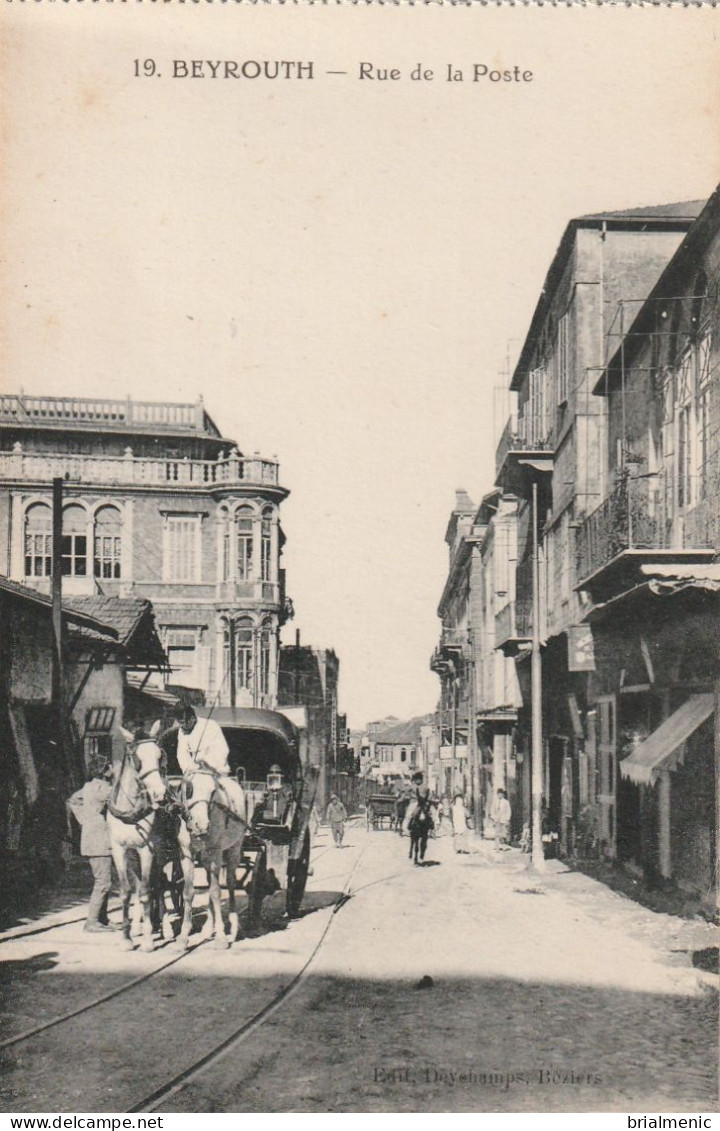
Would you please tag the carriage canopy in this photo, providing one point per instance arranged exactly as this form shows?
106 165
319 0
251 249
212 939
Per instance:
258 740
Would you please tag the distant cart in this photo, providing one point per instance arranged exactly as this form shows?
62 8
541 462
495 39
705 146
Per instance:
381 807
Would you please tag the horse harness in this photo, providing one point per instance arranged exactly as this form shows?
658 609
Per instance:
140 811
186 790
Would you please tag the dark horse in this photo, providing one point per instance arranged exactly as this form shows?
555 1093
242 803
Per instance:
419 827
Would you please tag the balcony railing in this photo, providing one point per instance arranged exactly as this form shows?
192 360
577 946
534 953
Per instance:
453 638
514 622
100 411
640 514
517 436
129 470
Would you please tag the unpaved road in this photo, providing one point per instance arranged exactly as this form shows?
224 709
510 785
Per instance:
549 994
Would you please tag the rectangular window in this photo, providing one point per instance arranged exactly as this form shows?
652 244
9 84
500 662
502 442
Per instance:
107 556
703 413
74 555
537 407
182 548
245 557
563 361
38 555
266 558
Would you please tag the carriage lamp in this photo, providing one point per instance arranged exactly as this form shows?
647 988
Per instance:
274 779
274 784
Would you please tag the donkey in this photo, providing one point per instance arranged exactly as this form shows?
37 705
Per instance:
212 832
138 791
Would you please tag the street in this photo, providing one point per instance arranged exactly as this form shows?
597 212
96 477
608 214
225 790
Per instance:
464 985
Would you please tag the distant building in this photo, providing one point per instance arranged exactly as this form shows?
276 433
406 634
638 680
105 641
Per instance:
398 751
158 505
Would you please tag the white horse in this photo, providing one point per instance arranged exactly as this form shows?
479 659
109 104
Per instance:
212 832
138 791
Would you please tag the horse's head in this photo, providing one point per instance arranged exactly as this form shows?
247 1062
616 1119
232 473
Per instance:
148 762
198 787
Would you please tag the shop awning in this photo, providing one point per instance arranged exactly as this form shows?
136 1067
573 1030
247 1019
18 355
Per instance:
661 749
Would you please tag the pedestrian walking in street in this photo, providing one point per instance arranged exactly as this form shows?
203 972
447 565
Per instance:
459 823
89 806
337 816
503 816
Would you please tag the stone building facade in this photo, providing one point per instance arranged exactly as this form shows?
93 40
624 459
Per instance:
551 458
156 504
647 565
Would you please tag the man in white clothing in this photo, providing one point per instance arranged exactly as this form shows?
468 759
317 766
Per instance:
201 742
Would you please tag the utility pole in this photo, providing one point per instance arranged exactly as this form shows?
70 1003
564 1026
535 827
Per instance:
537 856
57 684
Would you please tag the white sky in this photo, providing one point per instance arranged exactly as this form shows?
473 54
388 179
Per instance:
337 266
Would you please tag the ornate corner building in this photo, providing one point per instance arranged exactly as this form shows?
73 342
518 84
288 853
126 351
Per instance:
156 504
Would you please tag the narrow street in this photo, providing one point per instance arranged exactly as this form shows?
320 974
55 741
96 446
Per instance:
547 994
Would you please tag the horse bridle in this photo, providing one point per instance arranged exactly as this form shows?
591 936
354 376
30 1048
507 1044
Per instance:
147 806
200 768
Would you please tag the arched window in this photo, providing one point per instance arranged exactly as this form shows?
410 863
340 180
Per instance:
108 543
244 652
244 544
74 542
38 540
266 545
265 639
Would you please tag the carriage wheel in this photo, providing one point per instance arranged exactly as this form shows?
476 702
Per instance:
256 887
297 878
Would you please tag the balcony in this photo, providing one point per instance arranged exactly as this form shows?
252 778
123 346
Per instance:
234 592
513 626
518 454
131 471
103 413
452 651
638 524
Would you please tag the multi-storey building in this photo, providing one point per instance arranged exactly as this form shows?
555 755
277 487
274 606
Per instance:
453 659
502 619
550 458
156 504
478 685
647 561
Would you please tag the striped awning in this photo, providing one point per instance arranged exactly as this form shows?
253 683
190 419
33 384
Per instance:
662 750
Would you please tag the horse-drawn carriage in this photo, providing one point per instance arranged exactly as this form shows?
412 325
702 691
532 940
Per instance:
260 835
265 758
379 808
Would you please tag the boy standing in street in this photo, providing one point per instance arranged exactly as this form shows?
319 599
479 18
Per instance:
88 806
337 816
